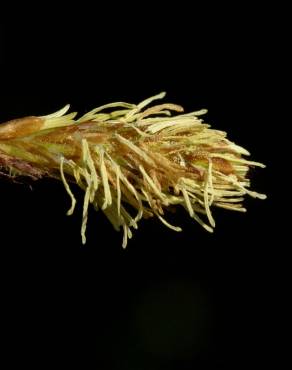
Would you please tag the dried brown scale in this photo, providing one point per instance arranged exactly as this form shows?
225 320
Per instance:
20 127
9 163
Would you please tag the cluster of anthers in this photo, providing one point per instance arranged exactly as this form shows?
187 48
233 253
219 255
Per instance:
132 161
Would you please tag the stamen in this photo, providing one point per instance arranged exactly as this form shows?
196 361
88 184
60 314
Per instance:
104 176
206 198
152 185
67 187
85 214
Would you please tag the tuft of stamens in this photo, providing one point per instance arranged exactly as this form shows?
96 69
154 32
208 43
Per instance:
132 161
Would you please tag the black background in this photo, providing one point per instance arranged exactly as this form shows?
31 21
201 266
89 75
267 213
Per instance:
170 300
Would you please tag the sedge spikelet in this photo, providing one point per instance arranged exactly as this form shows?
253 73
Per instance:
132 161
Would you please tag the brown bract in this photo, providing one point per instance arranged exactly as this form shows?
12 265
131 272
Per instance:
20 127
